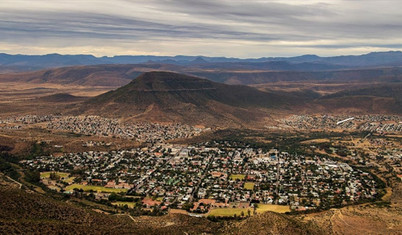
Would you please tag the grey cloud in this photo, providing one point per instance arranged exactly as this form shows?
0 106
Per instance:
44 24
257 23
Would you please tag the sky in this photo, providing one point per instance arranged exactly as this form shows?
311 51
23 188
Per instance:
230 28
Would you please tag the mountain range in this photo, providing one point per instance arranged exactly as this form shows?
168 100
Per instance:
119 75
12 63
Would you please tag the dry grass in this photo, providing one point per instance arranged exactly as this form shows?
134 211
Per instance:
249 185
261 209
237 176
315 141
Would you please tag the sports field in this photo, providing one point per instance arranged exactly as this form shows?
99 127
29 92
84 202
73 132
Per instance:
238 176
249 185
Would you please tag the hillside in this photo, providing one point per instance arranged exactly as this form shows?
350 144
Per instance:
79 75
385 99
23 212
166 96
273 223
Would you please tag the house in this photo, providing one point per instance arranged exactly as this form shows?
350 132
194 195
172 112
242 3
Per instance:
148 202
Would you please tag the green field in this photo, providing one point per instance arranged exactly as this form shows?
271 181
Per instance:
239 176
249 185
69 180
121 204
261 208
64 175
94 188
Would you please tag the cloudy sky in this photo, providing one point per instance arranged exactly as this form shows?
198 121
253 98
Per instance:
232 28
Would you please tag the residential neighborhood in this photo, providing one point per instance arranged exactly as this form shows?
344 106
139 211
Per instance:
370 123
199 178
105 127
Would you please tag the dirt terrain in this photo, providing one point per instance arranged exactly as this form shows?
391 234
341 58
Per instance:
362 219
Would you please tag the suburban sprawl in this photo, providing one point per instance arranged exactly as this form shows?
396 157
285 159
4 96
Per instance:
106 127
219 177
210 177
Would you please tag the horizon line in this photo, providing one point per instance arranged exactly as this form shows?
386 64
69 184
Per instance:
244 58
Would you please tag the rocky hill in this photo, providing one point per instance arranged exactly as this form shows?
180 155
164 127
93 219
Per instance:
166 96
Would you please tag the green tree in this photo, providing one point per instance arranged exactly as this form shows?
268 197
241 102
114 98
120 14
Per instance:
32 176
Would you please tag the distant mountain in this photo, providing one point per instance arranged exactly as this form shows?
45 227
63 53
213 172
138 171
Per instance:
46 61
378 99
166 96
268 66
61 97
92 75
391 58
298 63
374 75
119 75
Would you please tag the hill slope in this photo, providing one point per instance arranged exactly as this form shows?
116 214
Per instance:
61 97
105 75
166 96
24 212
273 223
379 99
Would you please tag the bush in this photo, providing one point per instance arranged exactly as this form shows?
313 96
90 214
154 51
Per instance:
6 167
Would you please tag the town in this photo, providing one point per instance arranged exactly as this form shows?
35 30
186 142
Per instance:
200 178
369 123
104 127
